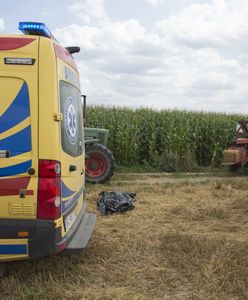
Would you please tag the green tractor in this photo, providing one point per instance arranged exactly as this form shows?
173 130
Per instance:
99 160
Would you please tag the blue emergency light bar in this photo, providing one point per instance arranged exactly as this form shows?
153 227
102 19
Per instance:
35 28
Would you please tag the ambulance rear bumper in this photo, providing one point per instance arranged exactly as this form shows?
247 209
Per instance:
44 238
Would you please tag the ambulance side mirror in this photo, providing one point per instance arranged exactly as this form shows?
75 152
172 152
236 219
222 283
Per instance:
73 50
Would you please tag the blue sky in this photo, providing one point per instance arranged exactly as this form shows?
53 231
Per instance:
33 10
187 54
57 14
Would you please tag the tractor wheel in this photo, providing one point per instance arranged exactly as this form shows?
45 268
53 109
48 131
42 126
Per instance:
234 168
99 163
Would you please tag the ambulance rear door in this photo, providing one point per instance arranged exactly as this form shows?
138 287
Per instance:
18 126
72 138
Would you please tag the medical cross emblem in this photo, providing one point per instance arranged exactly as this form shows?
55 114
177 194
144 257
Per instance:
71 120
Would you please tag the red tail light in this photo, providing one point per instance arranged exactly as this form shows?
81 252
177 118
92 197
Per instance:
49 190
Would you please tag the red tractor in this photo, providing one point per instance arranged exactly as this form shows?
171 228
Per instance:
236 155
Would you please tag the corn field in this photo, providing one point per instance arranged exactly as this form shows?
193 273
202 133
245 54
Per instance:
168 139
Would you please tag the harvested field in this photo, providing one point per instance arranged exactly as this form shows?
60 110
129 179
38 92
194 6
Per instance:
186 239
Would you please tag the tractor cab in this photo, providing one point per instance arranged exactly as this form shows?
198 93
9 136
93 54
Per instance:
242 128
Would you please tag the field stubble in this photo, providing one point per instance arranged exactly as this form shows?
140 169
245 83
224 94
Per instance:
186 239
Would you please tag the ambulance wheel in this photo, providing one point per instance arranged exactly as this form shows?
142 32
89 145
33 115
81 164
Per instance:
99 163
2 269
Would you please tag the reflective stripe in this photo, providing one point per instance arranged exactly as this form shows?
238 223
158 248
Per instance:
15 129
17 111
18 143
7 43
12 186
16 169
66 192
13 249
66 205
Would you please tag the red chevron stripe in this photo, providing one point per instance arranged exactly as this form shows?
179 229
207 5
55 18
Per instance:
64 55
11 43
12 186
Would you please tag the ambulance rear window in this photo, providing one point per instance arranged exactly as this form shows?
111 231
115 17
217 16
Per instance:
72 123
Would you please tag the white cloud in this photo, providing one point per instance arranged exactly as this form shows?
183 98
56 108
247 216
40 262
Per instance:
2 26
220 24
155 2
90 11
195 59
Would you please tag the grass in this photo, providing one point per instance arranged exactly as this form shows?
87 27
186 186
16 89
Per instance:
186 239
137 169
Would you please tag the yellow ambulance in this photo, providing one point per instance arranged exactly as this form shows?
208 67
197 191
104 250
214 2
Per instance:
42 210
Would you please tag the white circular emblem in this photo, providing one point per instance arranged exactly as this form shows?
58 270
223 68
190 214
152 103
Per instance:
71 121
